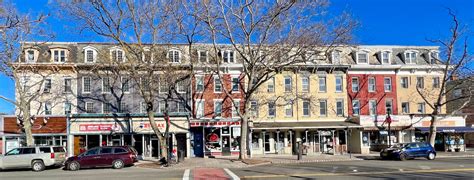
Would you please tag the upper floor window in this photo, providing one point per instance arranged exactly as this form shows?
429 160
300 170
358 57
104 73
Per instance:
47 85
306 108
289 109
89 107
181 87
339 83
420 82
90 54
235 84
199 108
362 57
410 57
117 55
217 84
86 84
47 108
436 82
388 106
305 84
322 107
355 107
322 84
355 84
199 83
287 84
336 57
271 85
372 107
31 55
59 55
421 108
202 56
405 107
174 56
217 108
67 85
235 109
106 87
385 57
404 82
228 56
340 107
371 84
67 107
125 84
271 109
434 56
387 84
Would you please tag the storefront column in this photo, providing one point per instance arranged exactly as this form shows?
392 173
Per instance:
100 140
3 144
70 145
143 146
263 138
188 144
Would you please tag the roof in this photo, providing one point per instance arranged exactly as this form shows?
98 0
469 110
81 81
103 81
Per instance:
306 125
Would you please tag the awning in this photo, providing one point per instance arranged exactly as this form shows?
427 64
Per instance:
448 129
306 125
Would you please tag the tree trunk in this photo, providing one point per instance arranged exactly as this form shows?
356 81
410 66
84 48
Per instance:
432 135
163 142
30 141
164 147
243 137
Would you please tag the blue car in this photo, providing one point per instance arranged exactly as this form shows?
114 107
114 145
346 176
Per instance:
409 151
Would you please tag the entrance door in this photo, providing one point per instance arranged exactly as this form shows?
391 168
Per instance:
198 143
155 148
226 145
181 142
267 142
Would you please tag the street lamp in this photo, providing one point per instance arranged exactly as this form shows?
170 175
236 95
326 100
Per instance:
388 119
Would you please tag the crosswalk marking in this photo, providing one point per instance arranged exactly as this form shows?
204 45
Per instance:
231 174
186 174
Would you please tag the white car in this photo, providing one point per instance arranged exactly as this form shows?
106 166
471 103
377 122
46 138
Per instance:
36 158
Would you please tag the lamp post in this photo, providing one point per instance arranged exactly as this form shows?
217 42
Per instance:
389 121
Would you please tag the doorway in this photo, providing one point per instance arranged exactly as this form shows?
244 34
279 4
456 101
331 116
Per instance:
266 139
197 142
155 148
226 145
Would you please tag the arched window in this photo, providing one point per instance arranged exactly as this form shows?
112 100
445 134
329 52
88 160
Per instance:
90 54
174 56
117 54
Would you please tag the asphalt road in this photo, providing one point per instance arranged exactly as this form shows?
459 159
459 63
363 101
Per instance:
441 168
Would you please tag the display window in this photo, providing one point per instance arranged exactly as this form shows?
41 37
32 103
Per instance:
213 139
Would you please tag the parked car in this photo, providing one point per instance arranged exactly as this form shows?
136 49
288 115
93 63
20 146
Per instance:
115 156
36 158
409 151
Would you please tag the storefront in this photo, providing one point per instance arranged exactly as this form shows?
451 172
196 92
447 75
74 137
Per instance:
47 130
220 138
315 137
451 132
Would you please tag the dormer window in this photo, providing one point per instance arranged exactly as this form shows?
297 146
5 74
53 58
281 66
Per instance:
174 56
31 55
410 57
385 57
90 54
228 56
59 55
202 56
433 57
336 57
117 55
362 57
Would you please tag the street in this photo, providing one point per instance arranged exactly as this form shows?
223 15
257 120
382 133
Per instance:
445 168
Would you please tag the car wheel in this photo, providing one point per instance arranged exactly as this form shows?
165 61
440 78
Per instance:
74 166
118 164
403 157
383 157
37 165
431 156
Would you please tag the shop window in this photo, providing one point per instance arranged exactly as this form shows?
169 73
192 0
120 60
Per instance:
213 139
255 137
365 138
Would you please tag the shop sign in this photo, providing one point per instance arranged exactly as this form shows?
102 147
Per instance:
99 127
213 124
11 144
325 133
449 130
383 133
236 131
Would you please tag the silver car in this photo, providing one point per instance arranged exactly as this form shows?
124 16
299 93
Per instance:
36 158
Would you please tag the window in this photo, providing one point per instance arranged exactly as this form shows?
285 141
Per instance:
106 108
339 83
410 57
181 107
117 55
86 84
355 107
47 85
106 88
199 108
235 84
404 82
217 84
163 87
146 84
271 109
47 108
336 57
122 108
254 108
199 83
67 85
45 150
322 108
385 57
228 56
28 151
372 107
421 108
388 106
143 107
89 107
362 58
406 107
125 85
306 108
202 56
67 108
181 87
355 84
305 84
287 84
217 109
371 84
89 56
435 82
161 107
271 85
24 83
106 150
59 55
420 82
457 93
235 109
434 56
30 56
387 84
289 109
322 84
174 56
340 107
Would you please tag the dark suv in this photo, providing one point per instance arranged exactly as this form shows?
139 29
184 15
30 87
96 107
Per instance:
115 156
409 151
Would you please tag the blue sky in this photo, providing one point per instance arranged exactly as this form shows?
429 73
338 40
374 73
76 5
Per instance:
383 22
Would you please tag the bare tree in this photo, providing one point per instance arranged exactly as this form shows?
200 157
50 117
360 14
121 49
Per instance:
455 63
267 38
29 79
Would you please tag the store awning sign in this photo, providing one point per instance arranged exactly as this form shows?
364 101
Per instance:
213 124
98 127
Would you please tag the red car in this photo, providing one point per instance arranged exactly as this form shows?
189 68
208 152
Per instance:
115 156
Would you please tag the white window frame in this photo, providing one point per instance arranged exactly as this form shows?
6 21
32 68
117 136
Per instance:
172 59
48 108
307 109
215 84
83 85
143 107
238 83
408 56
116 58
407 107
420 84
352 84
341 101
89 104
106 105
109 90
94 54
180 106
389 101
234 110
65 90
289 109
59 50
322 87
433 57
229 59
199 56
290 84
436 82
271 85
122 82
305 86
67 106
366 52
161 107
273 105
389 56
387 87
35 55
325 108
199 79
372 87
254 108
336 57
354 102
407 82
372 107
339 86
47 82
421 105
216 101
181 87
121 107
200 105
